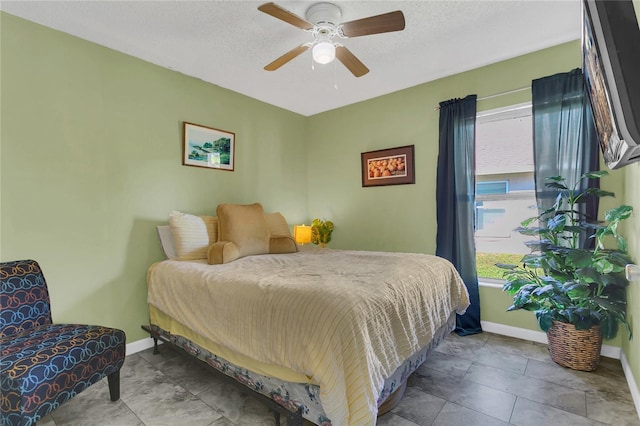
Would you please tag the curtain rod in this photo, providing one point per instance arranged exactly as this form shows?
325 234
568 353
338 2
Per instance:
508 92
495 95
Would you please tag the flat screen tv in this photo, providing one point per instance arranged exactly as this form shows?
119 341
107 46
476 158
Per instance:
611 66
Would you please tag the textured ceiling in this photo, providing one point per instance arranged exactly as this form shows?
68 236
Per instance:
228 43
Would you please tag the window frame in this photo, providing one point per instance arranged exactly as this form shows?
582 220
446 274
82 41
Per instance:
499 114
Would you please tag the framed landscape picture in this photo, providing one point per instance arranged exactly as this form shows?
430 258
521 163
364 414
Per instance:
207 147
393 166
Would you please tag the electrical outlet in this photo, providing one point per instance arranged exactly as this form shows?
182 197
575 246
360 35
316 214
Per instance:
633 272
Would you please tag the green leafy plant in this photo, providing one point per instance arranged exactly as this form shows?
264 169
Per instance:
321 232
561 281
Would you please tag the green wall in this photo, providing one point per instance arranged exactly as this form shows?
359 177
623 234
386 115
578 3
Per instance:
631 348
91 163
632 231
90 160
403 218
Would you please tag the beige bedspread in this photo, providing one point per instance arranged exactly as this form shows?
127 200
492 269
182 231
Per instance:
347 319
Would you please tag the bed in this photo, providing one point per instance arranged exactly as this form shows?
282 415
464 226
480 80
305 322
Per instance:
328 333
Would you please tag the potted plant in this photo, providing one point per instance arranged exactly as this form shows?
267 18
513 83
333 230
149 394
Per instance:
321 232
578 294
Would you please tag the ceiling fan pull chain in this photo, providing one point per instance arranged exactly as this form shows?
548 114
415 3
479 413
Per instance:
335 75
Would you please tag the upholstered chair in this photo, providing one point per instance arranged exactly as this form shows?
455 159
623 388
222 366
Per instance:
42 364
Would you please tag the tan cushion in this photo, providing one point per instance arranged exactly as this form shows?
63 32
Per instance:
281 240
192 235
282 244
277 224
245 226
222 252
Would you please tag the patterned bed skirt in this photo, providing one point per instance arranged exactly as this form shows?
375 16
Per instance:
300 397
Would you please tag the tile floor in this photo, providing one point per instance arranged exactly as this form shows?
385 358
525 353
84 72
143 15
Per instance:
485 379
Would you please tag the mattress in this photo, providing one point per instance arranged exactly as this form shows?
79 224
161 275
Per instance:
341 320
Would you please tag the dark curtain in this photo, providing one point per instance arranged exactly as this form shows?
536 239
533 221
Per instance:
455 197
564 138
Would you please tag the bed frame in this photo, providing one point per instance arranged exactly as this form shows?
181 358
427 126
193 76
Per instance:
294 418
292 410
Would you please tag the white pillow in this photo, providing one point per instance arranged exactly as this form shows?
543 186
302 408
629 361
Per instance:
166 240
192 235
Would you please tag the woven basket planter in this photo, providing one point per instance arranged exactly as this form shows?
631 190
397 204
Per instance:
575 349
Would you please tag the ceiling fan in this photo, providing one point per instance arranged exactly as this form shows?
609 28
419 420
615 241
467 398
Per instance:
323 22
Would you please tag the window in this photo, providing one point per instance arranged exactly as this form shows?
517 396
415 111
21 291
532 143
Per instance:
505 188
492 187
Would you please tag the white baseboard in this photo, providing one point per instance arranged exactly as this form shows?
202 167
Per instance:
140 345
541 337
538 336
633 386
491 327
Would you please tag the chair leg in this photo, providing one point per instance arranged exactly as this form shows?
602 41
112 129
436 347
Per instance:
114 385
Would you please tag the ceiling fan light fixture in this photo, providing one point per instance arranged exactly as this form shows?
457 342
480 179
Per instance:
323 22
324 52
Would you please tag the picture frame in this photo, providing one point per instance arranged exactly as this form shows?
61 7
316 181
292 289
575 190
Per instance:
392 166
208 147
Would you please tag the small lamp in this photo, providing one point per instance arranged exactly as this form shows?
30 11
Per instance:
302 234
324 52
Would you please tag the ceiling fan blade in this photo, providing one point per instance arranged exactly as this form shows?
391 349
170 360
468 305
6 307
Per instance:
350 61
284 15
287 57
385 23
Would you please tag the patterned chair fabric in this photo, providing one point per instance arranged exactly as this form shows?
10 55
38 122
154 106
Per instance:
43 364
